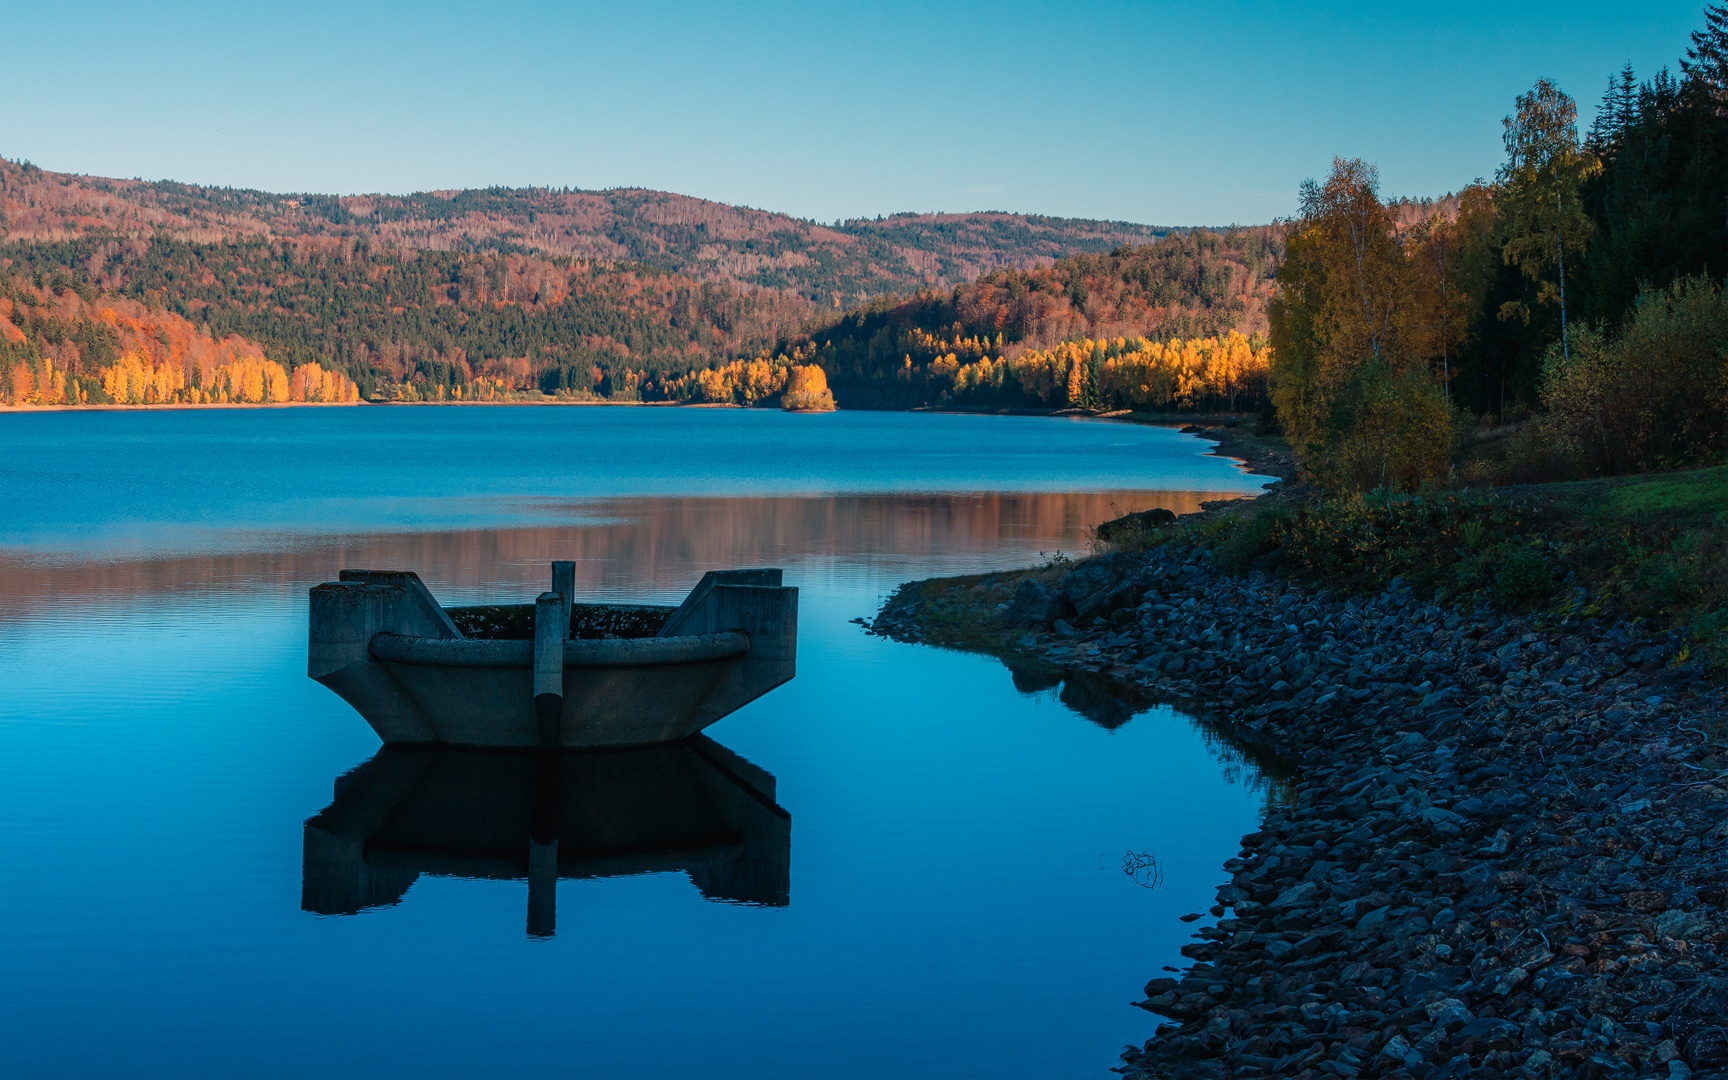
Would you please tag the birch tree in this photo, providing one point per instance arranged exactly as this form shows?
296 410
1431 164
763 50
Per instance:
1538 204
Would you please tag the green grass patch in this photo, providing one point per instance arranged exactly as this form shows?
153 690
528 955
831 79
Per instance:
1698 496
1649 547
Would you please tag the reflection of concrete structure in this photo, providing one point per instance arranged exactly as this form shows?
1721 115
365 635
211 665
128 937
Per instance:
694 806
552 673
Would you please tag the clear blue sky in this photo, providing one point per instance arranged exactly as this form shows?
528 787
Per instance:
1165 113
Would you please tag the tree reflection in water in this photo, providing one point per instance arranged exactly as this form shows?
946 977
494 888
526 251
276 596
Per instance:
1111 702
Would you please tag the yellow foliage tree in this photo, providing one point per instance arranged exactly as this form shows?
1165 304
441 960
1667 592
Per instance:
311 382
807 390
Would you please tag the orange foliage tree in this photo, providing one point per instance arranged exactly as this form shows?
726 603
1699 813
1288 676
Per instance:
807 390
69 349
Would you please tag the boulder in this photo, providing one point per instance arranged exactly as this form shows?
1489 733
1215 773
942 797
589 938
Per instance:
1295 896
1708 1049
1129 524
1397 1048
1121 597
1682 924
1087 586
1435 815
1036 604
1373 918
1488 1028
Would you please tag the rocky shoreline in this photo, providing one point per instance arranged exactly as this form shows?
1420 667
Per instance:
1503 851
1264 455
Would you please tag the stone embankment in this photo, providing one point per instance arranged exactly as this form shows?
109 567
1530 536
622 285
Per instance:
1503 852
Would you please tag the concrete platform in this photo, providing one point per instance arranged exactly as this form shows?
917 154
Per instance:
551 674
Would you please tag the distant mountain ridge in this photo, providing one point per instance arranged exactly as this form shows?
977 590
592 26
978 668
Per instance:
832 265
126 292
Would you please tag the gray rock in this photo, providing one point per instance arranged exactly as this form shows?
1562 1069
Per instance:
1449 1014
1608 1067
1397 1048
1088 584
1036 604
1373 918
1511 981
1680 925
1707 1048
1489 1027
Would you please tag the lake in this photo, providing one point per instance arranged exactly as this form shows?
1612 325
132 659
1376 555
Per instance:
943 885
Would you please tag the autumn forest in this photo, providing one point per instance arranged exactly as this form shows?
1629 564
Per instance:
399 324
1565 319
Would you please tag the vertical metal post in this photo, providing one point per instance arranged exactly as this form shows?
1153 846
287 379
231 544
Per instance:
564 582
551 627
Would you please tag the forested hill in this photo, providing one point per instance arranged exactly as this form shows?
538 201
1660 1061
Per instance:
837 266
620 295
409 325
1198 285
440 325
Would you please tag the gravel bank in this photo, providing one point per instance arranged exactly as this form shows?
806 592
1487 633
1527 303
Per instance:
1503 852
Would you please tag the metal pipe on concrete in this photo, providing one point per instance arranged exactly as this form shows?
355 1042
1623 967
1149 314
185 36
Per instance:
564 582
551 627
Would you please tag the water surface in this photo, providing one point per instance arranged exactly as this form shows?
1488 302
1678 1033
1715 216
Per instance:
955 902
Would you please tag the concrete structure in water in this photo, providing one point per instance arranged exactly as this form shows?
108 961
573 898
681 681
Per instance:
694 806
553 674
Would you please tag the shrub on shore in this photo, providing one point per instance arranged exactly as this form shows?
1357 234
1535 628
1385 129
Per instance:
1654 396
1387 429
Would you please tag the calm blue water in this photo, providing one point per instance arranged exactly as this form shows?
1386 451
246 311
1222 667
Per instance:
957 904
